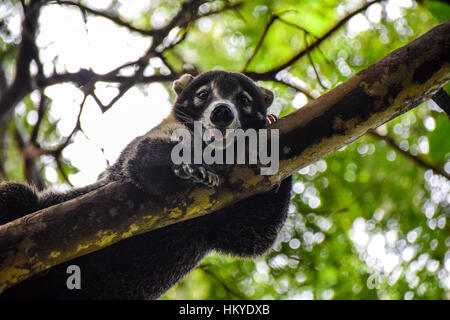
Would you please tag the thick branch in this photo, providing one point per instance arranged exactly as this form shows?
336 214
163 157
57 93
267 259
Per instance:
390 87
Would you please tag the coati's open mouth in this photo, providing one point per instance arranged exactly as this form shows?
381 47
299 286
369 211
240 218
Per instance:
214 134
218 134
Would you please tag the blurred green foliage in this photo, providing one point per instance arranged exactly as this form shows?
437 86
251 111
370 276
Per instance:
365 222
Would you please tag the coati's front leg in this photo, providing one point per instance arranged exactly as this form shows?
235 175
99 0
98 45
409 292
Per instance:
148 164
199 173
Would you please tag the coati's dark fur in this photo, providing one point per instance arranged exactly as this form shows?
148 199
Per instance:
145 266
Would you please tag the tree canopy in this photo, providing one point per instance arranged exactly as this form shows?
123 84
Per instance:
366 222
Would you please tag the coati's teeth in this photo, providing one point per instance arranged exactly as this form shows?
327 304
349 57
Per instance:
271 118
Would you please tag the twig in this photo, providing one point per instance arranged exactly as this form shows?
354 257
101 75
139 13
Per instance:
271 73
117 20
234 7
260 41
316 72
61 169
306 93
205 269
417 160
30 151
296 26
41 112
314 68
165 62
306 31
57 151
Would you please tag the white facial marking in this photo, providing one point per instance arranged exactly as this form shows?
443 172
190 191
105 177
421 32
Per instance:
247 109
202 88
206 117
259 115
249 97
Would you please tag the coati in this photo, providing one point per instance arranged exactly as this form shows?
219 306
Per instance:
145 266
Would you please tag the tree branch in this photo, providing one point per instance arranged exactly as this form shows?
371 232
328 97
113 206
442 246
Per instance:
29 154
117 20
387 89
22 84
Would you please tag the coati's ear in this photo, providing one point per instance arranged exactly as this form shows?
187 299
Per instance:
181 83
267 96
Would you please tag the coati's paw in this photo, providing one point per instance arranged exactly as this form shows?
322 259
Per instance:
198 173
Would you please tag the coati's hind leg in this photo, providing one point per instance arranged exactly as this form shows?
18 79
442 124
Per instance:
16 200
250 227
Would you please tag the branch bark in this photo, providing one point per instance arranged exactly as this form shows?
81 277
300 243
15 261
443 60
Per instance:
388 88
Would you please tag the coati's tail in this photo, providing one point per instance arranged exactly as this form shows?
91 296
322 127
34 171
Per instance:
50 198
18 200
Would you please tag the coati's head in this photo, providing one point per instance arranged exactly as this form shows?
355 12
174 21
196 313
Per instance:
221 100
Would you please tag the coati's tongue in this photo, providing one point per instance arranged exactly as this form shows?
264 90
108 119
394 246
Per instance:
217 134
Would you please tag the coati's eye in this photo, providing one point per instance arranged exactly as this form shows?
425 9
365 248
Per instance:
244 100
203 94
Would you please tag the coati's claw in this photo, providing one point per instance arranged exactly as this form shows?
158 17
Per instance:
199 173
203 172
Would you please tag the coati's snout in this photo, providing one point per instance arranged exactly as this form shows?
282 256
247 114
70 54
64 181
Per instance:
219 116
222 116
